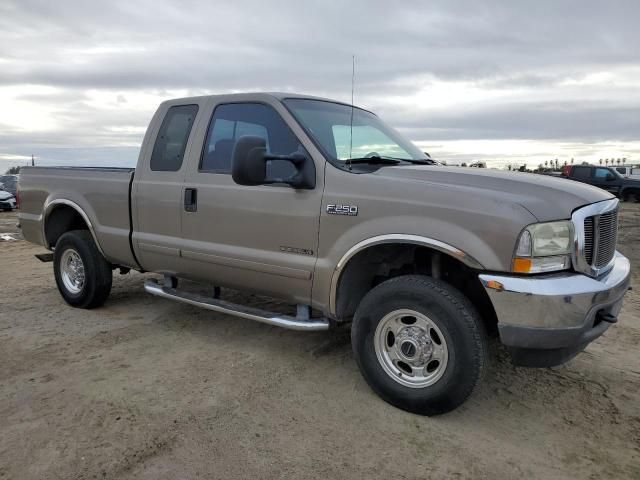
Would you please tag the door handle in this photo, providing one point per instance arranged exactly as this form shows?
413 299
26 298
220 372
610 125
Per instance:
191 199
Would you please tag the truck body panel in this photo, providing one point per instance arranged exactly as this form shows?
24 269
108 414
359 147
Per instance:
100 194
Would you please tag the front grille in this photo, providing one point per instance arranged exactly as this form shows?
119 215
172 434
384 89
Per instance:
600 237
607 238
588 239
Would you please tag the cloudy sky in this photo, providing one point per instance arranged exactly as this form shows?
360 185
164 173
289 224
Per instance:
500 81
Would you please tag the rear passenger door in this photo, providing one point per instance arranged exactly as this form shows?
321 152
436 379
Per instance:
157 189
261 238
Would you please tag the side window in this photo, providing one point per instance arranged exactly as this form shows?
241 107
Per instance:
581 172
601 173
622 170
233 120
168 151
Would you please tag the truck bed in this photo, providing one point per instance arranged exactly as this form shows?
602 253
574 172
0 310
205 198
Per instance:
99 194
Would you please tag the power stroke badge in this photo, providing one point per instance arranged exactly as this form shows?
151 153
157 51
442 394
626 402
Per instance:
334 209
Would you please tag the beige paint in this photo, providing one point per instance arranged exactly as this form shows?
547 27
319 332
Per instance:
236 236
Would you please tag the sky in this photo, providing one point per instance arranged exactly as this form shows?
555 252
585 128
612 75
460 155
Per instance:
505 82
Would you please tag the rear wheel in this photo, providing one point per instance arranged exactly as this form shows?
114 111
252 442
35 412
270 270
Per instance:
82 274
420 344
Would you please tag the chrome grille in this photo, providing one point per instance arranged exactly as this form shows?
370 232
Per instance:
588 239
596 234
600 236
607 237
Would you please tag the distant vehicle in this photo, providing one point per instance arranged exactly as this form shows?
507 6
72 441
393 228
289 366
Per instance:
478 165
7 201
10 183
628 171
607 178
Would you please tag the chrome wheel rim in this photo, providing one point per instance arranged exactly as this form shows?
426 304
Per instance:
411 348
72 270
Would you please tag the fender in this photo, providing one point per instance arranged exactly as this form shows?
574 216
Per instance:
396 238
49 207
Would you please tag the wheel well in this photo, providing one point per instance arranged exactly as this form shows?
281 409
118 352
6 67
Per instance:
378 263
60 220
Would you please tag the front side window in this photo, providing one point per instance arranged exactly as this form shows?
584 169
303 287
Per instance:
601 173
168 151
350 133
234 120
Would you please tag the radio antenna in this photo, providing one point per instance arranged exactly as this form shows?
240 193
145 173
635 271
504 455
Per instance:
353 78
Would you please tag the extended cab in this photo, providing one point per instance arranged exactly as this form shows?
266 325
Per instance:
607 178
324 206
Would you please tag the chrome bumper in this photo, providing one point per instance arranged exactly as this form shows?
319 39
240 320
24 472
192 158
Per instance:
556 311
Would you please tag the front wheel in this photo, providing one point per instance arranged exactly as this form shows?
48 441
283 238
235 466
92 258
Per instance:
82 274
420 344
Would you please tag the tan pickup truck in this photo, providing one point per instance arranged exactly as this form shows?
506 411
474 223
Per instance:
324 206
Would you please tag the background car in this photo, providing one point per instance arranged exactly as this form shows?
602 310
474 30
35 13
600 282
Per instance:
7 201
10 183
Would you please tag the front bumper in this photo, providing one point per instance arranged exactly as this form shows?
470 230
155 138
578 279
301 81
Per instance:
10 203
545 320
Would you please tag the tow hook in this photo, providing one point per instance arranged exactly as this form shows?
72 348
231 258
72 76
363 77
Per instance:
607 317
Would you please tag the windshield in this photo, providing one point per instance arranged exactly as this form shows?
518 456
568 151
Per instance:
330 124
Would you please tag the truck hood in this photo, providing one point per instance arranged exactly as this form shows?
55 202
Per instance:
545 197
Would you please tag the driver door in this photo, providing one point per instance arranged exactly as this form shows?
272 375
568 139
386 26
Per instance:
259 238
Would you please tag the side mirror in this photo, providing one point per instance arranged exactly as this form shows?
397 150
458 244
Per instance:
249 166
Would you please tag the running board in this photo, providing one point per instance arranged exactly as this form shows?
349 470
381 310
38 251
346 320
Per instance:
217 305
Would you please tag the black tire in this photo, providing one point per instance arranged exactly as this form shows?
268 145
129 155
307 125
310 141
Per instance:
97 271
452 314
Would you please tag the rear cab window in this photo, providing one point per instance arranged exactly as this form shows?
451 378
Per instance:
171 142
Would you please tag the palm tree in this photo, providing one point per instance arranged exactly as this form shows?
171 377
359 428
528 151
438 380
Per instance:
546 163
618 161
572 161
600 161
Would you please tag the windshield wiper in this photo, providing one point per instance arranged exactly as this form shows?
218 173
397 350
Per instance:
375 160
384 160
424 161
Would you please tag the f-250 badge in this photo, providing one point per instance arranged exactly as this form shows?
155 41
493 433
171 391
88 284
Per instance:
351 210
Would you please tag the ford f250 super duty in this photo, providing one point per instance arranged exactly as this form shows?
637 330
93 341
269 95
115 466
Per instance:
322 205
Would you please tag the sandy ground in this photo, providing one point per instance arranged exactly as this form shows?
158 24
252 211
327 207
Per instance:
147 388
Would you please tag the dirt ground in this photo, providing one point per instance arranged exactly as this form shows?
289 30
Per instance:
147 388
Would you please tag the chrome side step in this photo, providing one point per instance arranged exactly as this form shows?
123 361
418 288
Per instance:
217 305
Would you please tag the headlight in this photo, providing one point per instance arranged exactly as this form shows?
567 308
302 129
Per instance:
544 247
